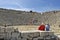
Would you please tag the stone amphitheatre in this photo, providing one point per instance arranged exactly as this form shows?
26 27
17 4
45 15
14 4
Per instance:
24 20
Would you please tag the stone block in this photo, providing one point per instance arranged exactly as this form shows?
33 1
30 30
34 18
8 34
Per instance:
30 35
39 38
23 38
46 33
25 35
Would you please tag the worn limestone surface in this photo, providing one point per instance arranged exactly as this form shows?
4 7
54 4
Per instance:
37 35
9 33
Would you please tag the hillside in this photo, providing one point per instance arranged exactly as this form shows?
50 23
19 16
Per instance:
14 17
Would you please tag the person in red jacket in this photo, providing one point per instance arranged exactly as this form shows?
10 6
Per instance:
41 27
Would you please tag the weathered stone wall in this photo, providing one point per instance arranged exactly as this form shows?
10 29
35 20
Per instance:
37 35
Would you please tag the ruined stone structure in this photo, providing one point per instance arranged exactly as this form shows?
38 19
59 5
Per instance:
15 18
9 33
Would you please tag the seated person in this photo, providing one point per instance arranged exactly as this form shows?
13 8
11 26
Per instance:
42 27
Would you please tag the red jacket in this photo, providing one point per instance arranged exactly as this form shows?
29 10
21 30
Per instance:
41 27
